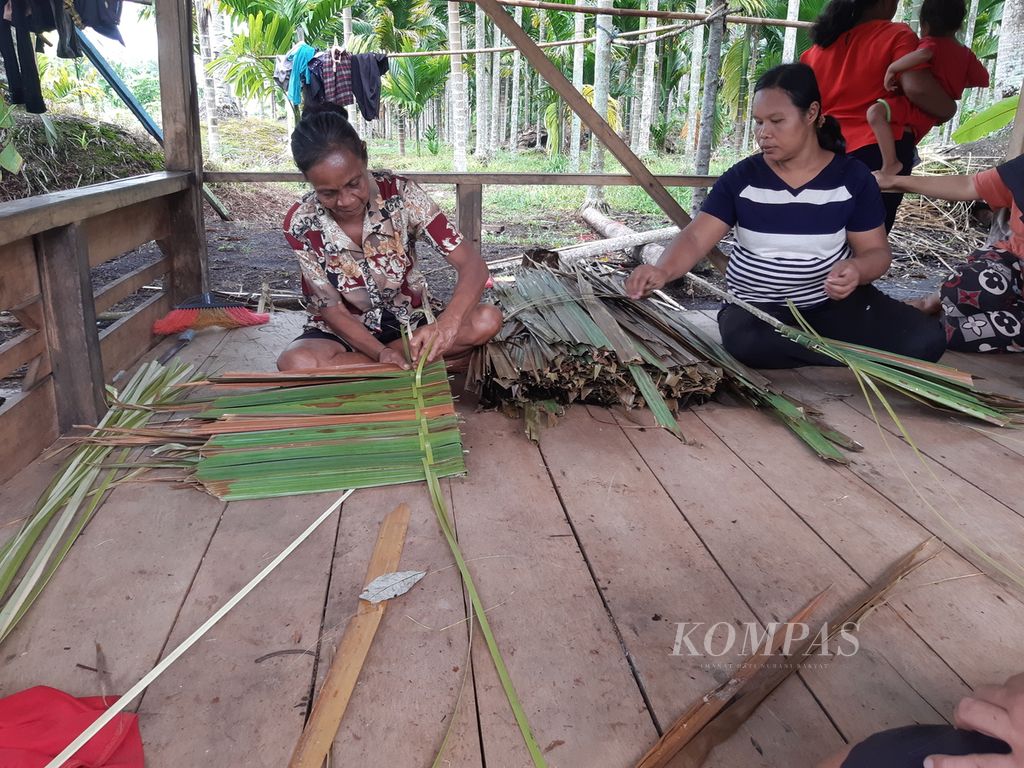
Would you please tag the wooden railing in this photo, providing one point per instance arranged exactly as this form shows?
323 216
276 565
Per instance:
469 186
48 245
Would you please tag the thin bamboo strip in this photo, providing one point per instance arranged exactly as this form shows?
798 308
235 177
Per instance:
118 706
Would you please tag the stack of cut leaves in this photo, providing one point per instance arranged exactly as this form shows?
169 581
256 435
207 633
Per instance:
573 335
311 432
564 341
76 492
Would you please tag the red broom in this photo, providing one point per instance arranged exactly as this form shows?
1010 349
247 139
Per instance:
205 311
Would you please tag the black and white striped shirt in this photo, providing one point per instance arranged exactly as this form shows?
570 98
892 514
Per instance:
788 240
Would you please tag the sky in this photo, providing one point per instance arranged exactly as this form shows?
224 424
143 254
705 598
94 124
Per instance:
139 38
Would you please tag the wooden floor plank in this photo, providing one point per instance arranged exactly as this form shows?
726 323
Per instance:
776 562
925 491
944 437
946 606
561 649
121 586
654 573
410 682
223 691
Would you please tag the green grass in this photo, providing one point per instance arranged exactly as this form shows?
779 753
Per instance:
255 144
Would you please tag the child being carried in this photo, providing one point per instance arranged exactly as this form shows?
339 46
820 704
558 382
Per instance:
954 66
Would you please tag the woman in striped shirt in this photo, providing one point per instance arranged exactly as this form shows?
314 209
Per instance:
808 225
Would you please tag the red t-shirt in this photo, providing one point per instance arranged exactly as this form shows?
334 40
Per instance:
851 71
955 67
993 190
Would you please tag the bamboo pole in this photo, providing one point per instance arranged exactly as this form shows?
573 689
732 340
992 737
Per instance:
332 701
650 14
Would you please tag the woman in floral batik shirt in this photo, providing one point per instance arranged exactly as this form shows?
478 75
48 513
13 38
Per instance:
354 236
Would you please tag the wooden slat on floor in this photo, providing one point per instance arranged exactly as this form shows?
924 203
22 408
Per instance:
655 572
561 649
410 683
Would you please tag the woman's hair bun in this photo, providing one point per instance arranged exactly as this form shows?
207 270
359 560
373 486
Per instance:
324 108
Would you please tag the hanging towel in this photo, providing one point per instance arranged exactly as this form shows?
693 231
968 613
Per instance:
300 57
38 723
367 70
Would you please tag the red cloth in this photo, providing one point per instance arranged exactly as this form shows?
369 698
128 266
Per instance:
994 191
851 72
955 67
38 723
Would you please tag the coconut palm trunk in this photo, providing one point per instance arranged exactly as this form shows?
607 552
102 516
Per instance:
789 38
1010 56
482 87
539 117
693 102
643 139
517 71
457 87
576 129
602 75
751 81
494 142
716 35
209 86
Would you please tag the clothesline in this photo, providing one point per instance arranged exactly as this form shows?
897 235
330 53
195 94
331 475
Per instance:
541 4
669 29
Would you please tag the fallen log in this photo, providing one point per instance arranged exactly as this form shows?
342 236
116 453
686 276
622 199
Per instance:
608 227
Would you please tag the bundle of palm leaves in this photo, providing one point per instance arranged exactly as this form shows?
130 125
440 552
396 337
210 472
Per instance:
564 341
308 433
572 335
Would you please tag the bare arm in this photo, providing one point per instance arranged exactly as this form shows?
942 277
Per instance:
921 87
469 286
904 63
944 187
682 254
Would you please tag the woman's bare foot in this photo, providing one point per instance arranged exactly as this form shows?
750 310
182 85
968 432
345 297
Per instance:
930 304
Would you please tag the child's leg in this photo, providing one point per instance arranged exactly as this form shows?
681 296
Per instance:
878 119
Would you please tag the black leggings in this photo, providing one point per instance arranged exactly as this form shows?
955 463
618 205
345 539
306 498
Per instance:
908 747
867 317
871 156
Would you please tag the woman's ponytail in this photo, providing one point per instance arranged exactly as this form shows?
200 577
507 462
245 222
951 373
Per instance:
830 135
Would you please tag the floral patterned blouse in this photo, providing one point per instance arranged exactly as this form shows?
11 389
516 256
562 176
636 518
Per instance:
378 274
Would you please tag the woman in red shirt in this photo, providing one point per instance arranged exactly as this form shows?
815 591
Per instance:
855 41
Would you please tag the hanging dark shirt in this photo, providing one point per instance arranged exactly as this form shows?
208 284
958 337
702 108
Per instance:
367 70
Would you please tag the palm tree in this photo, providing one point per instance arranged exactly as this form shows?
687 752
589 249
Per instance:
203 13
576 132
410 84
1010 57
482 92
789 48
602 74
459 95
702 162
696 61
648 89
517 71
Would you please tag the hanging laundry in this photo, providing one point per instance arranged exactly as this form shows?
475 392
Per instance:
20 57
38 723
101 15
300 56
337 76
367 70
313 91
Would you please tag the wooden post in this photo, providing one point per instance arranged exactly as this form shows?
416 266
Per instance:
179 101
469 212
69 317
598 125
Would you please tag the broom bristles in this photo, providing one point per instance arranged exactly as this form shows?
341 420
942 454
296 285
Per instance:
178 320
